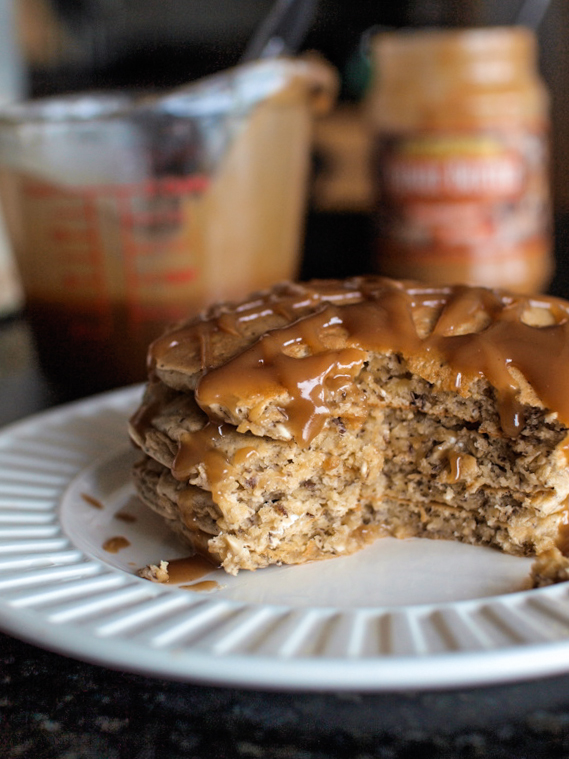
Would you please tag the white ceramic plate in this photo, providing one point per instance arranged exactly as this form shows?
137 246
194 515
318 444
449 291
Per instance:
410 614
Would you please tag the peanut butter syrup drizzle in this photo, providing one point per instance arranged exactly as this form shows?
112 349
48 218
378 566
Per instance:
455 460
376 314
287 301
200 448
562 538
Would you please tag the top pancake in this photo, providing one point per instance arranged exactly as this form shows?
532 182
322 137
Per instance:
305 345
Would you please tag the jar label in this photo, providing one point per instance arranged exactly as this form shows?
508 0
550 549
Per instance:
447 199
453 169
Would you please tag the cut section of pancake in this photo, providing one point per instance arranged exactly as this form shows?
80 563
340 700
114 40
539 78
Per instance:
310 419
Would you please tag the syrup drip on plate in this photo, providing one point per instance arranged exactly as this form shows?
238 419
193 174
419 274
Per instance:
116 544
94 502
188 569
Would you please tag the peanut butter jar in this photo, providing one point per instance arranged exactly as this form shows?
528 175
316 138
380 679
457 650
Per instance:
460 161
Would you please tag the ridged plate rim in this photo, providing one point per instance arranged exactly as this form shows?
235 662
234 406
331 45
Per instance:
56 595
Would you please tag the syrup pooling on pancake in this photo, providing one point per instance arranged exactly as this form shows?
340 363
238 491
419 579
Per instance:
281 305
321 333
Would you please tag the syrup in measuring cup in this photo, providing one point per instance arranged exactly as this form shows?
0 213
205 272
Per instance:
127 215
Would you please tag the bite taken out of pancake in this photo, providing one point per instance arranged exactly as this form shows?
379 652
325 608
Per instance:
311 419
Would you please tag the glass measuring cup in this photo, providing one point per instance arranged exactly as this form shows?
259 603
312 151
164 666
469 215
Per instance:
127 214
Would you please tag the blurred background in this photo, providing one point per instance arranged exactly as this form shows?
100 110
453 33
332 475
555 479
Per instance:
51 47
56 46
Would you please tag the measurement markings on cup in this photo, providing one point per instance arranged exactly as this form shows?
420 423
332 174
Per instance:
72 240
156 252
126 243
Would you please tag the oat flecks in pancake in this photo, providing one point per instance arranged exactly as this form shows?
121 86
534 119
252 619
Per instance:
309 419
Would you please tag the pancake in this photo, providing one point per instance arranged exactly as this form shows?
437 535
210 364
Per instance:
311 419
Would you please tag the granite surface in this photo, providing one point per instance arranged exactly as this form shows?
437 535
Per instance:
52 707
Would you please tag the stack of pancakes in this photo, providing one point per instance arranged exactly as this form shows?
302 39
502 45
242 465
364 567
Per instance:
312 418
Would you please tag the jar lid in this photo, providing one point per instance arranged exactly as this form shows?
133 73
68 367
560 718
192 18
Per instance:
491 55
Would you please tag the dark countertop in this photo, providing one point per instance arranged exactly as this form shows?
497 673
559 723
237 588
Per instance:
54 707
